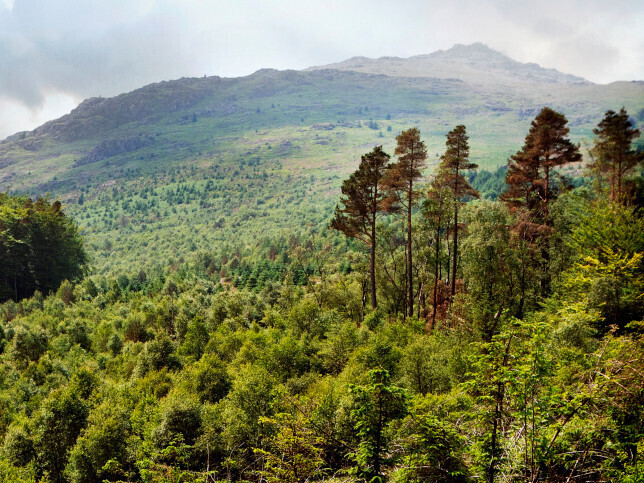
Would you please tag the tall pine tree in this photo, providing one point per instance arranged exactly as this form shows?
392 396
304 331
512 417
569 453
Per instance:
531 171
532 187
363 201
399 182
453 163
614 157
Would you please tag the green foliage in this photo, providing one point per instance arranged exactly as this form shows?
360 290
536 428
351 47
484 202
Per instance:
291 455
490 266
56 426
375 406
259 360
430 365
180 420
100 453
434 451
211 379
39 248
609 270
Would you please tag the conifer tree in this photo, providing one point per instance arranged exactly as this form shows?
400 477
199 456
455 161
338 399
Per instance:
363 202
531 170
531 186
614 156
453 163
399 182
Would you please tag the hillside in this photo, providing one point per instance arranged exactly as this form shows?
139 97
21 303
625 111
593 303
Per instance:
264 155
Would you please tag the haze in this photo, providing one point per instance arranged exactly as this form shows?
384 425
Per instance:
55 54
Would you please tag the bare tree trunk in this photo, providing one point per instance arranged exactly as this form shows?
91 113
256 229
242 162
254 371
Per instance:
372 266
410 275
437 275
455 254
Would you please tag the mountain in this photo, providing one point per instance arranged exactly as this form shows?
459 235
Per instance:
476 63
195 163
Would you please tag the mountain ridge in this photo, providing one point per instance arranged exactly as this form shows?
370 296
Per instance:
471 63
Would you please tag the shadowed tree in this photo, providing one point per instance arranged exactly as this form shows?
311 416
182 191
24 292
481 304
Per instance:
436 210
613 153
375 406
453 163
363 202
399 182
39 247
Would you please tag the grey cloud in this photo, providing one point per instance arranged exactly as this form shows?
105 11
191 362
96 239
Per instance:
85 48
60 50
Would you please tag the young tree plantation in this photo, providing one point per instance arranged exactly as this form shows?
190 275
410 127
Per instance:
503 341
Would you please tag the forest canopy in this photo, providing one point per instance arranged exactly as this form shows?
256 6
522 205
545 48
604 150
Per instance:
508 348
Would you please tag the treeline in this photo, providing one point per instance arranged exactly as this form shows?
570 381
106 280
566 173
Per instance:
521 358
529 223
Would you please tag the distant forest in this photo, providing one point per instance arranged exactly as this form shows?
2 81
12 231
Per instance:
459 325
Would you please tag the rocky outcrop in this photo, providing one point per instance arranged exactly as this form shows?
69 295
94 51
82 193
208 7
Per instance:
114 147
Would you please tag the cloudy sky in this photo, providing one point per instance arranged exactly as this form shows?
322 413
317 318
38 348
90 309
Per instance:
55 53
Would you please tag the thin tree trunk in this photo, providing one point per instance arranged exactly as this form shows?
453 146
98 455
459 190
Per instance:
522 286
619 178
448 267
436 276
545 256
545 195
612 182
372 266
498 413
455 254
376 464
410 277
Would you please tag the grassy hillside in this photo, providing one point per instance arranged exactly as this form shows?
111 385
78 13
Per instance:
185 165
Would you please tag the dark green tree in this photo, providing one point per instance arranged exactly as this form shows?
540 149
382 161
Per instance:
376 405
363 202
39 247
614 157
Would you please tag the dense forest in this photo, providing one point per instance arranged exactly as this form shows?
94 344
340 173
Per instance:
452 325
